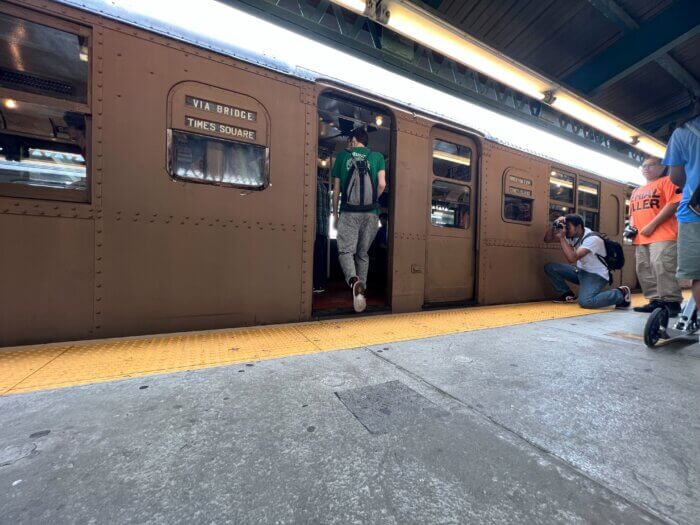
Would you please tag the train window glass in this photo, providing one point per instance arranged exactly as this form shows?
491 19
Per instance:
451 161
557 210
198 158
43 60
561 187
588 194
43 147
450 205
590 219
517 208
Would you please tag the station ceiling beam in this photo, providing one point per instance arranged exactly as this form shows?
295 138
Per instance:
640 45
617 14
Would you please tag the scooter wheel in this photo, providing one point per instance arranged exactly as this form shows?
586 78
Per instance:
655 328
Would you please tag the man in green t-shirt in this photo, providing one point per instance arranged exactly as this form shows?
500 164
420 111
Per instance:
359 178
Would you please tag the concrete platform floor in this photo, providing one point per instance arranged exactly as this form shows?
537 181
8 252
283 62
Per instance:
564 421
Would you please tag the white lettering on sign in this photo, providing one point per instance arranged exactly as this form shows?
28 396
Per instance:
520 180
221 109
218 127
519 191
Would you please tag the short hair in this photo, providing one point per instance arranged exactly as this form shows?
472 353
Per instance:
360 135
575 219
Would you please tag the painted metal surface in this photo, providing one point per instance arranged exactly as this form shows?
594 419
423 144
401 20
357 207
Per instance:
150 254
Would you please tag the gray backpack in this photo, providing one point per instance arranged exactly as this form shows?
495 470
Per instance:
360 191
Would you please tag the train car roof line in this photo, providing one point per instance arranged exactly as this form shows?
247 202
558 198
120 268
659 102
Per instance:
119 13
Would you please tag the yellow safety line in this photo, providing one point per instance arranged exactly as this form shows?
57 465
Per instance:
42 367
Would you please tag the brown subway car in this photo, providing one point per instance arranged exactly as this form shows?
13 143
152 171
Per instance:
148 185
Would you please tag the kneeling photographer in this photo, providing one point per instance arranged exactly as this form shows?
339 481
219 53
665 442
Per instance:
585 249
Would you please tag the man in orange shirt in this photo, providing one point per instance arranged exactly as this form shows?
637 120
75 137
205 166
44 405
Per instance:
652 213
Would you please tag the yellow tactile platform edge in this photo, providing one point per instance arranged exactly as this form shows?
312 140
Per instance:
42 367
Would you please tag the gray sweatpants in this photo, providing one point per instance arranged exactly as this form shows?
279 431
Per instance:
356 231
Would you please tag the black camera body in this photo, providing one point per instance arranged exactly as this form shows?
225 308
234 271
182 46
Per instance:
557 225
630 232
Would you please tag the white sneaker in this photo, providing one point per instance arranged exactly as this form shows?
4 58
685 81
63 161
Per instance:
358 296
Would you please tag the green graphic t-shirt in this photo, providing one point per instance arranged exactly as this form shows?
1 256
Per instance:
343 163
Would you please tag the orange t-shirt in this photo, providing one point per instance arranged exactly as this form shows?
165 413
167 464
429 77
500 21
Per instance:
646 203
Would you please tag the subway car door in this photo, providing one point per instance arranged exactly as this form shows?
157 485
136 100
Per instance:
450 259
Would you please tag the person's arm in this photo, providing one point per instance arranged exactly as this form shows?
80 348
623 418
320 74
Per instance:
677 175
666 213
572 255
381 182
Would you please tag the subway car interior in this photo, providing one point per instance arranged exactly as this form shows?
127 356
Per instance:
40 146
338 116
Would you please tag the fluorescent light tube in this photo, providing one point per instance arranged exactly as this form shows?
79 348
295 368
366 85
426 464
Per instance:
651 147
583 111
441 37
358 6
443 155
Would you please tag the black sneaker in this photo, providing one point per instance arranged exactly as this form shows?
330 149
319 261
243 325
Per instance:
626 297
647 308
673 308
567 297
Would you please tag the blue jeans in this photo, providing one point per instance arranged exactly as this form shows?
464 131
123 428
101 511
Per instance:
590 293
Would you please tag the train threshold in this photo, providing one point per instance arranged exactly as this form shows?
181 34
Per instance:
525 413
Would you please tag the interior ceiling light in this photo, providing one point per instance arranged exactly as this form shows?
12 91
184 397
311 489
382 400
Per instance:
421 26
379 120
10 103
443 155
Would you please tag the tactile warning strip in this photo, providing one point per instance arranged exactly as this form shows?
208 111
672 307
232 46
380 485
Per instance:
41 367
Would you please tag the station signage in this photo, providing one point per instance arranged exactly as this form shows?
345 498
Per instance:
219 128
520 180
519 191
224 110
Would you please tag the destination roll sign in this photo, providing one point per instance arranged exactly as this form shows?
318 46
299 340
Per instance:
221 109
222 129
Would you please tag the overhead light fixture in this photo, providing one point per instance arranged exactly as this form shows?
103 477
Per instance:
10 103
651 147
443 155
416 24
427 29
358 6
379 120
84 53
597 118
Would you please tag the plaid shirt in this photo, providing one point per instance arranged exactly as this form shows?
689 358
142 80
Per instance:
323 207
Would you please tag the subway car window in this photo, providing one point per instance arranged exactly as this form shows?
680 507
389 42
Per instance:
198 158
450 205
43 143
588 194
39 59
49 152
451 161
517 208
561 187
557 210
590 219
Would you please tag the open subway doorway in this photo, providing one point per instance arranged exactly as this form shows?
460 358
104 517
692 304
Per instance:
338 116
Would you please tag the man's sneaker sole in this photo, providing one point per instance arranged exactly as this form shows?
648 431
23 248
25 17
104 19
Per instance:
359 302
626 297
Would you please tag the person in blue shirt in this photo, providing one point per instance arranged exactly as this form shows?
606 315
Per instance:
683 159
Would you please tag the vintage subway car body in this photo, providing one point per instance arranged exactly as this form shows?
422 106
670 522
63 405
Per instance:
148 185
